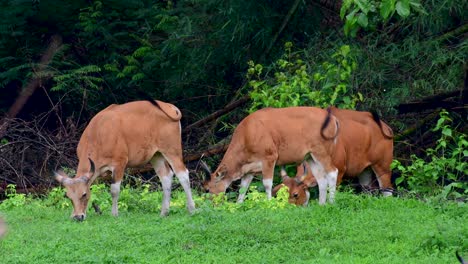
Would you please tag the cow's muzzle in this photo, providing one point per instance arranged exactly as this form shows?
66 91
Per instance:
79 217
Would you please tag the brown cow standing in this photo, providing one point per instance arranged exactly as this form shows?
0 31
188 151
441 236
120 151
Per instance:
364 140
278 136
129 135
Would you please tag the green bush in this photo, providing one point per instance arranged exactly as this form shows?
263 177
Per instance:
295 83
14 199
444 168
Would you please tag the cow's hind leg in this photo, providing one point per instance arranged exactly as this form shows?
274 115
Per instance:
245 183
383 174
165 175
183 175
268 170
326 175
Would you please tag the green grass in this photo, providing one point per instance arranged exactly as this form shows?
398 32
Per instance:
357 229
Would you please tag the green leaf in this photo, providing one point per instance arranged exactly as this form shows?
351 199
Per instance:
387 8
447 131
399 180
362 20
403 8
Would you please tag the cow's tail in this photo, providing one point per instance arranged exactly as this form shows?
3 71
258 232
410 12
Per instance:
386 130
170 110
328 118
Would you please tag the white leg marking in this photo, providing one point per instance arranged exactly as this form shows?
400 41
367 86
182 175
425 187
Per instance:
166 182
115 191
268 183
319 173
385 193
184 180
245 183
331 179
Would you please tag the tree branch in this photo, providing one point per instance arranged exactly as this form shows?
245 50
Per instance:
54 46
218 113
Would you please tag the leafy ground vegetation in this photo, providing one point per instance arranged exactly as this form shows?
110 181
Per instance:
357 229
61 63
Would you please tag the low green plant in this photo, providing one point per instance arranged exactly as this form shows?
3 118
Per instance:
444 168
14 199
57 198
295 83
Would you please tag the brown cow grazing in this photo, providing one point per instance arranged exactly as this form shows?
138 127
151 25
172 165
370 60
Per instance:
129 135
278 136
364 141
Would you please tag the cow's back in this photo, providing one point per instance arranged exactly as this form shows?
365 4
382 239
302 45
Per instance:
291 132
361 141
133 131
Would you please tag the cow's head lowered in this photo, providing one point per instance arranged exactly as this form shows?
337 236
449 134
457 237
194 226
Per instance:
78 190
297 186
214 182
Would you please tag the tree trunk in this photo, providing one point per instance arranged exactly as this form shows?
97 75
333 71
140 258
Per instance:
28 90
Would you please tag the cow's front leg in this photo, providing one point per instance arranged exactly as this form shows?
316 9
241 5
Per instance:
245 183
117 175
331 180
115 191
165 175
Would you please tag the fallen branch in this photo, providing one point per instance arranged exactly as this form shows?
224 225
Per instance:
218 113
434 101
410 130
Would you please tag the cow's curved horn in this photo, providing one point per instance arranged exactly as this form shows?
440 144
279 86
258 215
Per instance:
93 167
61 177
300 180
207 169
283 173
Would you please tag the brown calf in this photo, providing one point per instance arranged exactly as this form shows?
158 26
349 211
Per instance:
298 191
129 135
364 140
278 136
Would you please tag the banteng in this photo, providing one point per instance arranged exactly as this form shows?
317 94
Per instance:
129 135
278 136
364 141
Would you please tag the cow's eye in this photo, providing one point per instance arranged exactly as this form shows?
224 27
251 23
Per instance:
83 196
